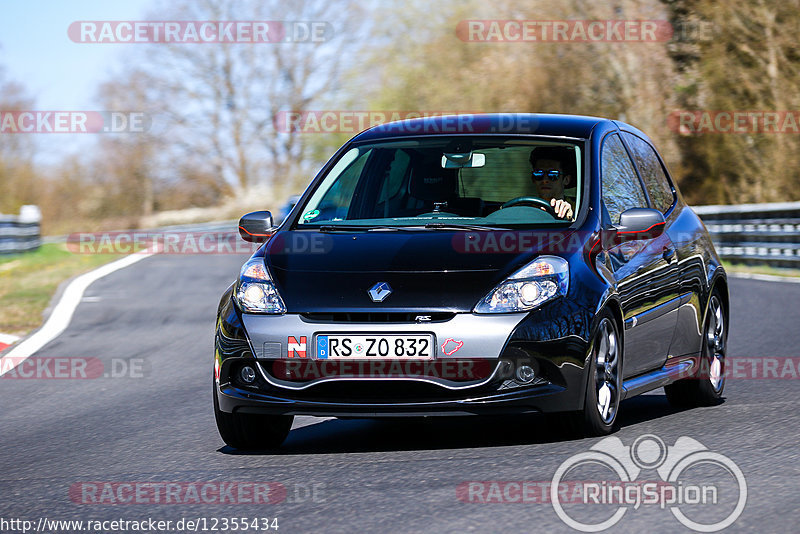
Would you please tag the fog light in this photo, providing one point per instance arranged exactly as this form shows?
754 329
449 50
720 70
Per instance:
505 369
248 374
525 374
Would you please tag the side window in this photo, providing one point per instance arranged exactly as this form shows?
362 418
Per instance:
652 172
335 202
621 187
397 171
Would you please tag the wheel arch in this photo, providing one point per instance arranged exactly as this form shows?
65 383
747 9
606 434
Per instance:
719 283
613 306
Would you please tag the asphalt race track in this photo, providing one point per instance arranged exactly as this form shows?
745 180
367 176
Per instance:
153 322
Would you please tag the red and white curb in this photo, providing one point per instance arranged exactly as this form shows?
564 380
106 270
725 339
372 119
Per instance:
6 340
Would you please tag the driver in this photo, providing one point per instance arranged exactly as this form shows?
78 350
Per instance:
549 177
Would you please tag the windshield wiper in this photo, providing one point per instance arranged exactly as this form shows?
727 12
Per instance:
465 227
356 227
402 228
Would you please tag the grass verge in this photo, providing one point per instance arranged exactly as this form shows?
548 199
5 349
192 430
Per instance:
760 269
28 281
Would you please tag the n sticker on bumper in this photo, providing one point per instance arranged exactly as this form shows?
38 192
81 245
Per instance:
295 348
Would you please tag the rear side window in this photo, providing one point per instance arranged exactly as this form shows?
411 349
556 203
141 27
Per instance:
655 179
621 187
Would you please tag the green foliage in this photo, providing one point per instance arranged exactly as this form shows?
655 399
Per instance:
746 60
213 106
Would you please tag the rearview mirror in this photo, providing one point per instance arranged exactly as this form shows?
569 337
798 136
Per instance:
463 160
639 223
256 227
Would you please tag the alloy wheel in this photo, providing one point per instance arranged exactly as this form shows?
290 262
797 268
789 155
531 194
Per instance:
606 361
715 344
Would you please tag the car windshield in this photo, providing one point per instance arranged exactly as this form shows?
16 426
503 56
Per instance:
449 181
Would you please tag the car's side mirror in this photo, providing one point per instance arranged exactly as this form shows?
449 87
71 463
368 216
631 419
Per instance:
639 223
256 227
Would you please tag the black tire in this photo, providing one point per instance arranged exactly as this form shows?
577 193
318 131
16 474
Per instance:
705 387
604 380
251 431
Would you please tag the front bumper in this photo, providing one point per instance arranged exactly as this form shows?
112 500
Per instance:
482 336
503 343
545 398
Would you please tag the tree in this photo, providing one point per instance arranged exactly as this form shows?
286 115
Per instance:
432 69
18 181
748 63
222 100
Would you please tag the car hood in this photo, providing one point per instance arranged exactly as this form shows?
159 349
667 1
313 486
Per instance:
426 270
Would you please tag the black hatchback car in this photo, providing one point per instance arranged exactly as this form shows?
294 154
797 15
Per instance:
474 264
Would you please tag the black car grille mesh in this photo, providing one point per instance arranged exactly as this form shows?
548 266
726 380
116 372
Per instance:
380 392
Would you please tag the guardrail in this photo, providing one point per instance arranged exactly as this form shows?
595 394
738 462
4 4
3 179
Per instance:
21 233
755 233
749 233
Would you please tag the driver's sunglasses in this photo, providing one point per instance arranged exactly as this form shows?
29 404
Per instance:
550 174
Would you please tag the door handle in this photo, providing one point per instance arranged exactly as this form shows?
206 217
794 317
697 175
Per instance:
669 254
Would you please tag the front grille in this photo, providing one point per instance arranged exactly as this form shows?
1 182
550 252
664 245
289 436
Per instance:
454 371
378 317
388 392
378 392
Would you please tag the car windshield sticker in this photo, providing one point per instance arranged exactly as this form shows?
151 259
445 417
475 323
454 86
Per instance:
310 215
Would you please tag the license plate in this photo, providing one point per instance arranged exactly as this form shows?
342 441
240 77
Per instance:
392 346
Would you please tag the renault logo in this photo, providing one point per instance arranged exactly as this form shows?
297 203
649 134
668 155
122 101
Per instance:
379 292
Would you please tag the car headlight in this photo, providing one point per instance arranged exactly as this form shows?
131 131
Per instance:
543 279
255 291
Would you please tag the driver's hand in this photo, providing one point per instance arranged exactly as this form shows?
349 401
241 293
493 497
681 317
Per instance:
562 208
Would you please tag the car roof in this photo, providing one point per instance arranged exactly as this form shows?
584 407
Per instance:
575 126
634 130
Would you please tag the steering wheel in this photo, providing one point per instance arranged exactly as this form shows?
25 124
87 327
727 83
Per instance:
531 201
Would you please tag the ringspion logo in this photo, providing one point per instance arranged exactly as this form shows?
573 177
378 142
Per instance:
704 490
